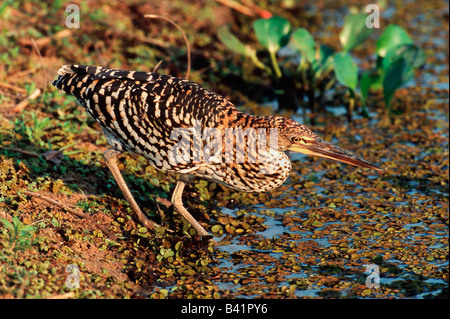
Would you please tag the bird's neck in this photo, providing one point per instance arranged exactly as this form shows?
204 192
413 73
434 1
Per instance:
246 121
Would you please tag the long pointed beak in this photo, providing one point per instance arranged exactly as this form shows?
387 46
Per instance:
318 147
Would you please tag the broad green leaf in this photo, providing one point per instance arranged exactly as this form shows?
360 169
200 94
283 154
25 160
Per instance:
232 42
28 228
325 61
397 75
390 38
413 55
368 80
325 56
7 223
235 45
272 33
303 40
354 31
346 70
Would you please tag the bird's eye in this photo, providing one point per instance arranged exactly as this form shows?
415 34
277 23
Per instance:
295 139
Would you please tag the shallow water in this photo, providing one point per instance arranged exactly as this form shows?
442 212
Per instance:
318 239
276 229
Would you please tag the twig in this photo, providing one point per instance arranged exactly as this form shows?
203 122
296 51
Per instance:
188 46
42 61
50 156
20 74
247 8
156 66
261 12
12 87
54 202
70 210
46 40
24 103
67 295
238 7
18 150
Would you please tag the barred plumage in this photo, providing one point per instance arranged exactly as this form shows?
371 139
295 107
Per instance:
135 109
139 112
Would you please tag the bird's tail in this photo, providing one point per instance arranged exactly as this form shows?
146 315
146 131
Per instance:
66 69
65 72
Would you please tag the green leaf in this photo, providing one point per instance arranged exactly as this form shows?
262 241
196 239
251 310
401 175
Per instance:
7 223
232 42
346 70
325 56
398 65
370 80
365 83
303 40
397 74
178 245
325 60
28 229
413 55
272 33
390 38
354 31
235 45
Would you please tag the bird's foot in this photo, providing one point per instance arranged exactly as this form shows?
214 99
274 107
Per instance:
209 239
150 225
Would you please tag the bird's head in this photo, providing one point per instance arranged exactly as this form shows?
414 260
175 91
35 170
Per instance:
293 136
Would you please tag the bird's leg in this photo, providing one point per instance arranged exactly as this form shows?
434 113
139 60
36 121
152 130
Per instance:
111 161
178 205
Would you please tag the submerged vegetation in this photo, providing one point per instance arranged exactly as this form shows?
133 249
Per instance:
312 237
